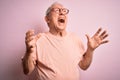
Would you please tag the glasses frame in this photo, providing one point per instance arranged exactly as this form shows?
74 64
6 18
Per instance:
60 10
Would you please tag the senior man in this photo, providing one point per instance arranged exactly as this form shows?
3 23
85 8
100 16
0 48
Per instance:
58 54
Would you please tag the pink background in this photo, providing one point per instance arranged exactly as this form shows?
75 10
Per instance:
86 16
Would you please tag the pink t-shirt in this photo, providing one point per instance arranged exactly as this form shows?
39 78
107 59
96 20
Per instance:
58 57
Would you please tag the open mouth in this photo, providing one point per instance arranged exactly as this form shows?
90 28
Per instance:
61 20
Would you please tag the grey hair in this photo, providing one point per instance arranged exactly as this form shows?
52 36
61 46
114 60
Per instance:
49 8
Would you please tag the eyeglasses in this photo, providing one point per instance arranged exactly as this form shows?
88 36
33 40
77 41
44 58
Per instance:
58 10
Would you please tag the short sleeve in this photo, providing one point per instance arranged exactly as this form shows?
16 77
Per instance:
79 44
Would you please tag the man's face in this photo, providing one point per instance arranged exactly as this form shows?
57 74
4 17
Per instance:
58 17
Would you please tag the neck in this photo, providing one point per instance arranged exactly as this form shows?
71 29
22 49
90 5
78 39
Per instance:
58 33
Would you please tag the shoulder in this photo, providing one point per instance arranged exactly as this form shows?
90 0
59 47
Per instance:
41 36
74 36
78 40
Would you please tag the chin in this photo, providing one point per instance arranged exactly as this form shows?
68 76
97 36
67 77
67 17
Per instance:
61 27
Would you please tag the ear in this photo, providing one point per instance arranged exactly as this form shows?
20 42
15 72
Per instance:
47 19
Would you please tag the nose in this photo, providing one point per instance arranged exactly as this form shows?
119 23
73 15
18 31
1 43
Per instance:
61 12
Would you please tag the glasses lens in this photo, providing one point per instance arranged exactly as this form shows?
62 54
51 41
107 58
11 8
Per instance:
58 10
65 11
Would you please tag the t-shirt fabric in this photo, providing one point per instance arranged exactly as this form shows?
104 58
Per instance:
57 58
